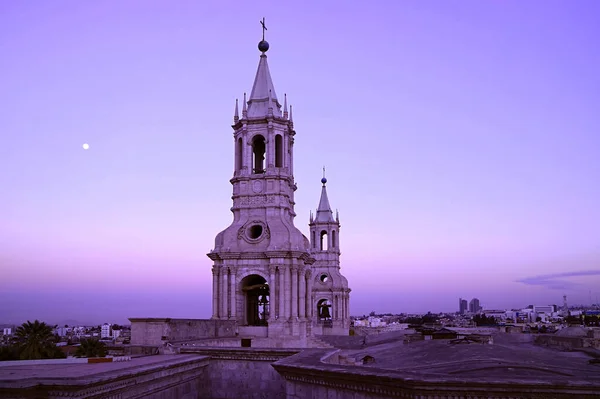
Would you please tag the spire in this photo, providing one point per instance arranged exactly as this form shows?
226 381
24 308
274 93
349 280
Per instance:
244 109
324 213
258 103
285 109
291 119
236 114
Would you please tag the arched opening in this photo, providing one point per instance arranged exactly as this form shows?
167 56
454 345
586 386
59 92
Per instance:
324 312
314 241
333 242
256 292
324 243
238 154
258 154
278 151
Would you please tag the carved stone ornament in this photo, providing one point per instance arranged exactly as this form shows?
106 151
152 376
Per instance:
257 186
254 231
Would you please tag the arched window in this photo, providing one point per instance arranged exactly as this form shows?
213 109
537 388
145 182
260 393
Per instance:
258 154
333 243
324 311
314 241
324 243
238 154
278 151
257 298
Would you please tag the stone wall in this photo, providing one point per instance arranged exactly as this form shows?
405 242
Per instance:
567 343
307 377
177 377
242 373
155 331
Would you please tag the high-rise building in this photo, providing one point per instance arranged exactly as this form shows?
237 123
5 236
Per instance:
474 306
462 306
105 331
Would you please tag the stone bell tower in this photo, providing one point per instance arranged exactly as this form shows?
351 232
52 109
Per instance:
331 295
262 263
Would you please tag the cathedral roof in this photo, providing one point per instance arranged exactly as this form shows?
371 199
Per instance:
259 101
324 213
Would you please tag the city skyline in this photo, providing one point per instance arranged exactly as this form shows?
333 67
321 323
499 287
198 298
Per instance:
459 141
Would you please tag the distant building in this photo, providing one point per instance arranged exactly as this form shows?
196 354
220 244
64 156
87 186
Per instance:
62 331
462 306
499 315
7 331
474 306
116 333
547 309
376 322
105 332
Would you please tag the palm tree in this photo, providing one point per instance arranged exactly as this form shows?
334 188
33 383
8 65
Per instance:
35 341
91 348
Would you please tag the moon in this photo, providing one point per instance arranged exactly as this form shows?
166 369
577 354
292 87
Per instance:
86 146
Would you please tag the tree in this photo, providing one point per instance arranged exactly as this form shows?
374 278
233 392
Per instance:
36 341
429 318
91 348
8 353
483 320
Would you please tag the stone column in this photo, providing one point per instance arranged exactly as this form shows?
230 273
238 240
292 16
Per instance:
347 301
309 301
223 296
248 154
281 287
215 292
302 293
294 292
232 295
272 291
270 147
336 305
288 292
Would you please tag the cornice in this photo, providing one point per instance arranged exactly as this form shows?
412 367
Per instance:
267 355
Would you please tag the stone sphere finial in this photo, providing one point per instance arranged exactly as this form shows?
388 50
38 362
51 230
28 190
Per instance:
323 180
263 45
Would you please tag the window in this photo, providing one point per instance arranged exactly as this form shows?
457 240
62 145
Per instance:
258 154
278 151
238 154
324 243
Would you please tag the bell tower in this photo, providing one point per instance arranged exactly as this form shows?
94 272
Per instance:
331 295
262 262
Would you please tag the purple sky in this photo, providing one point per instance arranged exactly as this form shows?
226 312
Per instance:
461 140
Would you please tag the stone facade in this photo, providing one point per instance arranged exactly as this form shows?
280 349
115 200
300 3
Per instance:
264 272
331 295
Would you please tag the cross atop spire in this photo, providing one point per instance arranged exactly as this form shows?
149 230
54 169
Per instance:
264 28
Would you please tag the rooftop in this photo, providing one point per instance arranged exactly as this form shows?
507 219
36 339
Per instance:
25 376
512 357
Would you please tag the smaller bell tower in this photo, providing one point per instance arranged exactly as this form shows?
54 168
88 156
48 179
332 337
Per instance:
331 295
